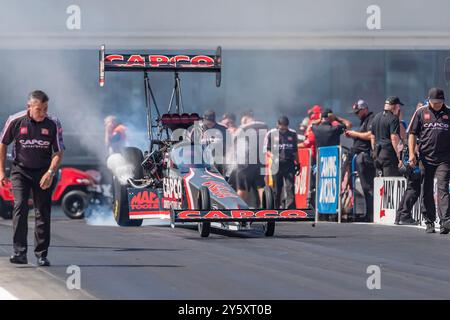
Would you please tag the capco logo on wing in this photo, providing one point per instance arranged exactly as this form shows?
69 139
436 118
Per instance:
137 60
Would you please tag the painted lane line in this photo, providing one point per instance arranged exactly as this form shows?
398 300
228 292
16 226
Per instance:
5 295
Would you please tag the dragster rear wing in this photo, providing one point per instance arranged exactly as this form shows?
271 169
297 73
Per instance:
159 63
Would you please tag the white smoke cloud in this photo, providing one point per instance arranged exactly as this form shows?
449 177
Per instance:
100 215
120 167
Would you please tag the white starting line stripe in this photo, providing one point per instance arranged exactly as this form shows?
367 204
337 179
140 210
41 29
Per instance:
5 295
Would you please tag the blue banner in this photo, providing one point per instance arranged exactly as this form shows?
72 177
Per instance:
328 172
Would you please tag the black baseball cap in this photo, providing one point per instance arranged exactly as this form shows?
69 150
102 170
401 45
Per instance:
393 100
359 105
283 120
209 115
326 113
436 95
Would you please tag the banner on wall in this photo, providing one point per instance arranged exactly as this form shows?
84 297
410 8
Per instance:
388 193
302 181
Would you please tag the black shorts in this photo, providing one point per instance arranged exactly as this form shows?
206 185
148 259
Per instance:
249 177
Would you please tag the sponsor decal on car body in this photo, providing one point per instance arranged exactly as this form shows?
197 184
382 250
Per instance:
172 188
241 214
220 189
144 200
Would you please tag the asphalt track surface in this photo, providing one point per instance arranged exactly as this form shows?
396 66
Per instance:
328 261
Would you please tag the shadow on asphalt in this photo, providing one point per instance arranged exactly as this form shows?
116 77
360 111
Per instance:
251 234
121 266
21 266
299 236
118 249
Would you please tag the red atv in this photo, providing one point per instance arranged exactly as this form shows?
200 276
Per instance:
74 191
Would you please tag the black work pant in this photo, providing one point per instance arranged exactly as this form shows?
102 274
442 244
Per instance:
26 182
441 172
284 180
412 193
387 162
366 170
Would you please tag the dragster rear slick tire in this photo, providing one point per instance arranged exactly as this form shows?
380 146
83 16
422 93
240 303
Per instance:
121 213
204 203
268 202
134 157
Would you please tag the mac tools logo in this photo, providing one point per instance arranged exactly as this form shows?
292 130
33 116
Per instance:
144 200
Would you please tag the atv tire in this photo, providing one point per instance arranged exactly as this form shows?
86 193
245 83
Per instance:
74 204
204 228
268 202
121 213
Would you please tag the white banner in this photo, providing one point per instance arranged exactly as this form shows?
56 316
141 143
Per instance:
388 192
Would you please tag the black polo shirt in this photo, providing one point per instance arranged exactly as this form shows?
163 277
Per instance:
360 145
284 142
249 139
34 142
328 135
432 131
384 124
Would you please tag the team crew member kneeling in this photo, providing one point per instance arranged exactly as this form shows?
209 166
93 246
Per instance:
38 150
430 124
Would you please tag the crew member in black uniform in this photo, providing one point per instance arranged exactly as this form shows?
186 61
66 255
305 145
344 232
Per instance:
328 132
281 144
249 143
413 188
38 150
430 124
363 151
386 137
412 192
214 135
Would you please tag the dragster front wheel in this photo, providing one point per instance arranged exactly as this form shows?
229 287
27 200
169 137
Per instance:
268 202
204 228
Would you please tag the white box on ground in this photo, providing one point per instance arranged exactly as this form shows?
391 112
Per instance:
387 194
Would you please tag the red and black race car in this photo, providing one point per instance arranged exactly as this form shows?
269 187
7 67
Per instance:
168 181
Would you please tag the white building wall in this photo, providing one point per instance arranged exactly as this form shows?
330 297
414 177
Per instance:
234 24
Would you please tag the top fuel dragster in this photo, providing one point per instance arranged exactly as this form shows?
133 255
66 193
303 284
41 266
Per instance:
165 181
